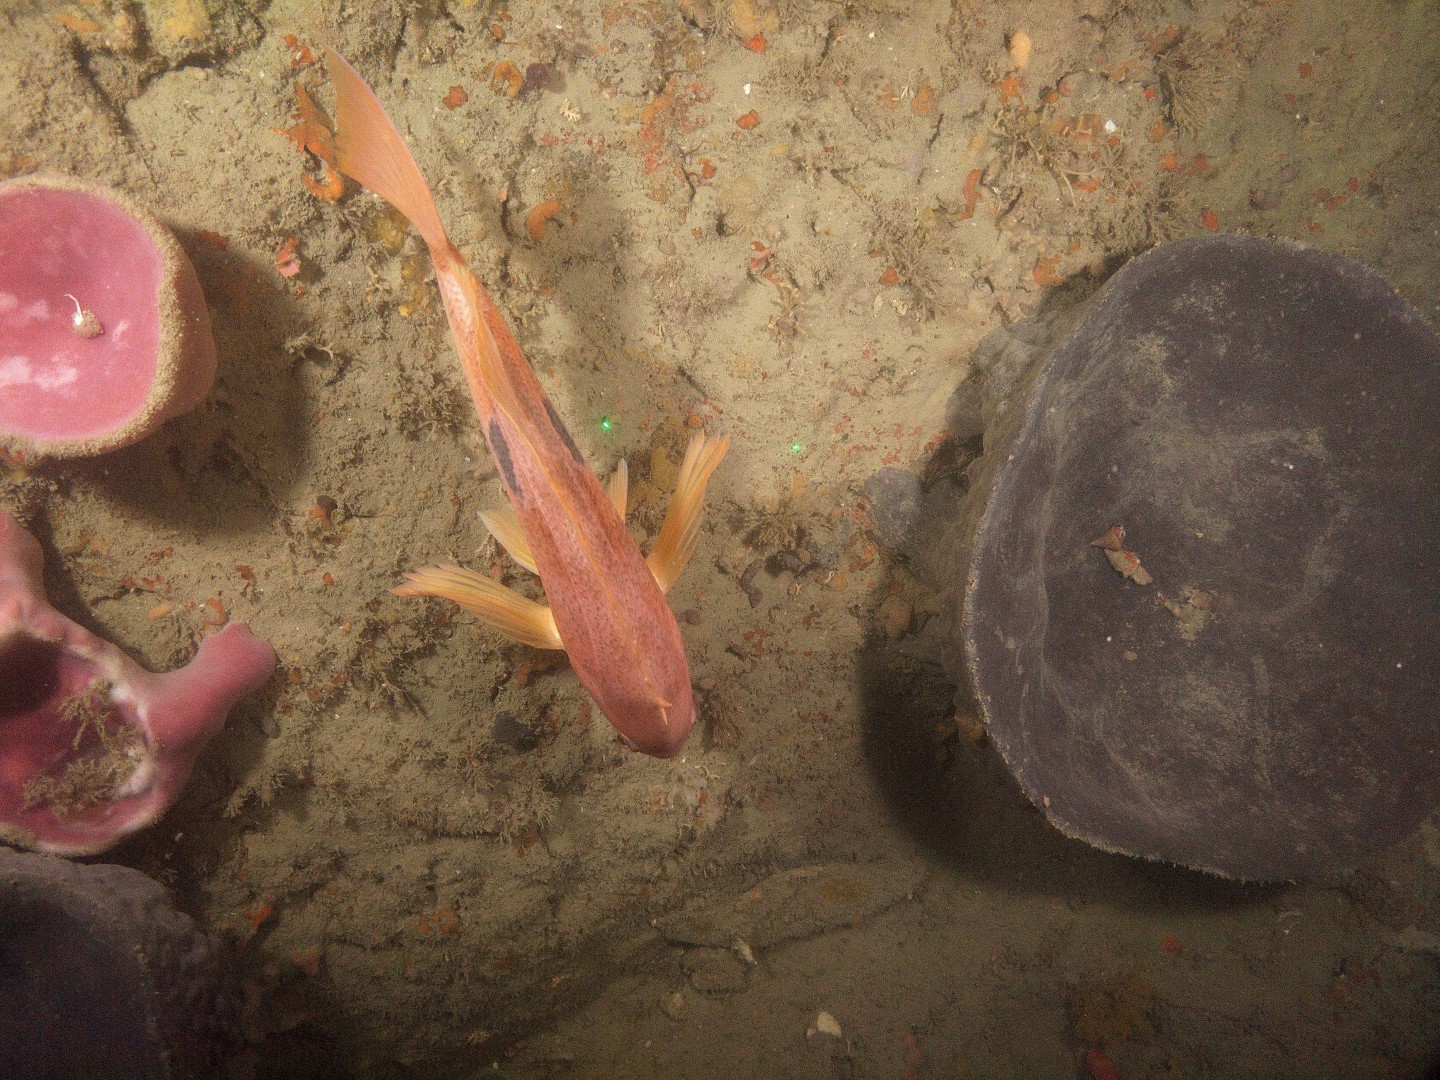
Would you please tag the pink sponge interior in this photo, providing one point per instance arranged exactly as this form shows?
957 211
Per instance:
55 383
41 741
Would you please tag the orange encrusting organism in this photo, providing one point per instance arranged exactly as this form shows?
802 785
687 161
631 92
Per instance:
606 605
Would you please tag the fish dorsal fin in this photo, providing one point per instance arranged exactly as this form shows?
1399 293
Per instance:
504 526
619 488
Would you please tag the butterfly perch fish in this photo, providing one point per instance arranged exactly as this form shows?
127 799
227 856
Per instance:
606 604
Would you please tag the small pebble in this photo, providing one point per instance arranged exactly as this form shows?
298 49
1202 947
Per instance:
747 582
673 1005
894 498
970 726
508 731
825 1024
894 615
1019 46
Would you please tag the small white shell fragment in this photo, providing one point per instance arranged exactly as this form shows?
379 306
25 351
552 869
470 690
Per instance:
1019 46
825 1024
87 325
742 947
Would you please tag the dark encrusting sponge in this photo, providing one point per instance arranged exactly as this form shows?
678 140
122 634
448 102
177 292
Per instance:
101 977
1264 422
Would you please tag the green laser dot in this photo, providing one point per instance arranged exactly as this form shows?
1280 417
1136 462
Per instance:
796 446
606 424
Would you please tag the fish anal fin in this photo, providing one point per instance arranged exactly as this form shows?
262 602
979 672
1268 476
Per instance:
517 617
680 531
505 527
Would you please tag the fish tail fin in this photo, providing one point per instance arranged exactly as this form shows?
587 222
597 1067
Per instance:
370 150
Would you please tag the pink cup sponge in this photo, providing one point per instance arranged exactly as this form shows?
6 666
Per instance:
104 334
93 746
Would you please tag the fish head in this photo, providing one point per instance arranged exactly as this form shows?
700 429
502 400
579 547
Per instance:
652 715
654 727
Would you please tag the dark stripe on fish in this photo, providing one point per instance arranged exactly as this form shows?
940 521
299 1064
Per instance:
501 449
564 435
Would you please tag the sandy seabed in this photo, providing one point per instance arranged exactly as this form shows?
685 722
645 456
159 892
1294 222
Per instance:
792 221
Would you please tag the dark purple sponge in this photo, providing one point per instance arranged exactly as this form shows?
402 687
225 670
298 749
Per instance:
1264 421
101 977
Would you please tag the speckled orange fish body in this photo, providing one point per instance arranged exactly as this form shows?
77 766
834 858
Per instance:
609 610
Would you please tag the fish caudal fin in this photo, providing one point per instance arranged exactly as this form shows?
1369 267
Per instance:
370 150
680 531
515 616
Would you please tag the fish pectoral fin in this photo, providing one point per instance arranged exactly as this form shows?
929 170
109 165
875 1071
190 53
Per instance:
502 608
505 527
619 488
680 531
